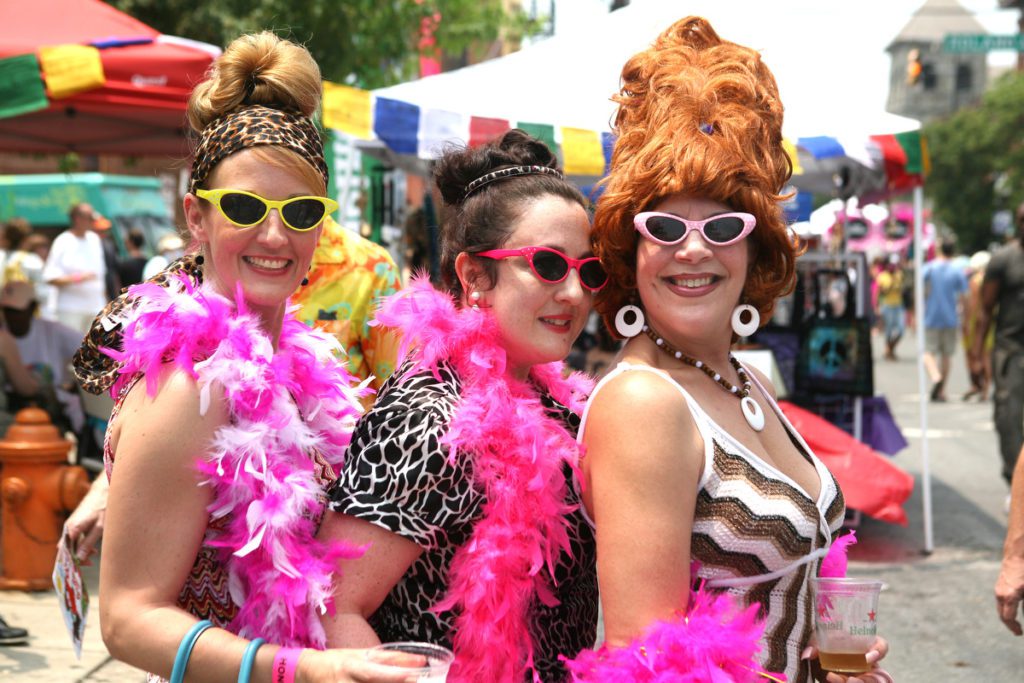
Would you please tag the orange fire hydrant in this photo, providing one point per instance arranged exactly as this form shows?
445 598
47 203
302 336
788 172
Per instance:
38 489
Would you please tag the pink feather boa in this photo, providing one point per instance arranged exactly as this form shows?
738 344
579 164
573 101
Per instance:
518 453
284 404
713 643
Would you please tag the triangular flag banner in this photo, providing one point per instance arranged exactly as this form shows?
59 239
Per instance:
71 69
348 109
21 88
397 123
542 131
438 128
482 130
583 152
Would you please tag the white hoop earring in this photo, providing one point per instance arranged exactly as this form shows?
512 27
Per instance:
623 326
745 329
475 298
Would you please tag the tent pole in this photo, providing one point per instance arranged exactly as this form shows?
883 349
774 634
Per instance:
922 377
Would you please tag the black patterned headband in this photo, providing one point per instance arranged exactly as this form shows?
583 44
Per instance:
510 172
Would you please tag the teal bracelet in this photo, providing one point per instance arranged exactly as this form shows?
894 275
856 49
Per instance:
185 650
245 672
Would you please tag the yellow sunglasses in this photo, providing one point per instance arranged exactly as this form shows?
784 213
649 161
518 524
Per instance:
245 209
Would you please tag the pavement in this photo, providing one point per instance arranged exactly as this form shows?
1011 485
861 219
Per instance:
938 610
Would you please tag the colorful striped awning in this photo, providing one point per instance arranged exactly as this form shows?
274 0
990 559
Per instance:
871 168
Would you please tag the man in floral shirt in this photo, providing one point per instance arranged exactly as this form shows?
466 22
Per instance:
349 275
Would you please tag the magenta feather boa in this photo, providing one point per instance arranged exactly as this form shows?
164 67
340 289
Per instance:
284 404
713 643
518 453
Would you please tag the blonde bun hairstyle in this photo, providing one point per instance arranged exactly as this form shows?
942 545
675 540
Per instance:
258 68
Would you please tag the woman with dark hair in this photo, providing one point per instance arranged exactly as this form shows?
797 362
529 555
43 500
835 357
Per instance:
230 414
458 476
693 476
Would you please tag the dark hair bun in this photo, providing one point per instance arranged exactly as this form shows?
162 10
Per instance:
456 169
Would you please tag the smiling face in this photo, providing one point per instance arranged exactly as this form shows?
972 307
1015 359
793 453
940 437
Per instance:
268 259
539 321
690 289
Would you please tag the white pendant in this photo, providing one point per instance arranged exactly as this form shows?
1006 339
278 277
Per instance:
752 413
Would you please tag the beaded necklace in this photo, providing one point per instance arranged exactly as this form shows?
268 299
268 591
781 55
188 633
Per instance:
752 412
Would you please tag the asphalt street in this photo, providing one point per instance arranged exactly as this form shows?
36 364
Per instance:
938 611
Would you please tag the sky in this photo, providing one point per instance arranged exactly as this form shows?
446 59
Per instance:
828 57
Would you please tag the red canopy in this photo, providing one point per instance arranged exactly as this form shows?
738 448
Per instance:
870 482
140 110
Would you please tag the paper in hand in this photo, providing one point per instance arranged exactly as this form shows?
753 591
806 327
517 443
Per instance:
71 592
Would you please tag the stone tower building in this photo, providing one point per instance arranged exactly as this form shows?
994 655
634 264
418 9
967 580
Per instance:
925 82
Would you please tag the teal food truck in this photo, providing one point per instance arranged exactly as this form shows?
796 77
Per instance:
128 202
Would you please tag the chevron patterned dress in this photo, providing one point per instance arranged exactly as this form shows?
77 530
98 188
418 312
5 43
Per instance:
751 520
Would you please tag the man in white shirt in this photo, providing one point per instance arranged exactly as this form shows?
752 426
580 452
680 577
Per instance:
77 268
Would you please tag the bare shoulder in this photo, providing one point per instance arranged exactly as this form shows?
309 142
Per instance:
178 415
636 393
639 419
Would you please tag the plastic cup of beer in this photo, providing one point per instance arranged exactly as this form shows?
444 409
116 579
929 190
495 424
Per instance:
423 662
845 623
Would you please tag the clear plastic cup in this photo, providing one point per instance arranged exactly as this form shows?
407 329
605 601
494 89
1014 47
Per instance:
845 622
423 662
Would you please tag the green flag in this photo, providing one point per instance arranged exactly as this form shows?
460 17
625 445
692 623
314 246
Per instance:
21 86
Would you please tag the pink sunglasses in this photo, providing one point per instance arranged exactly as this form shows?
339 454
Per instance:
669 229
551 265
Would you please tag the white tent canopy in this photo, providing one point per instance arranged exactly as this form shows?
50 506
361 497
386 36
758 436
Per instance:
829 60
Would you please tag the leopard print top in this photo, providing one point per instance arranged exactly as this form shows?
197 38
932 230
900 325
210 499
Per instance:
397 476
95 370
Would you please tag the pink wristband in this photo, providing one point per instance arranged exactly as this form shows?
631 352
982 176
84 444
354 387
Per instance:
286 661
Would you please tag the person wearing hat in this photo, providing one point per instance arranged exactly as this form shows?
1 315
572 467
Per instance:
45 348
77 267
169 248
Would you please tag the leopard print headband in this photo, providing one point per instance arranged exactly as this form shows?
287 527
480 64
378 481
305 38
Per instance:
251 126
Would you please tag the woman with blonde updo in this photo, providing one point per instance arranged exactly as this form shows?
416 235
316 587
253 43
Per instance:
230 415
693 476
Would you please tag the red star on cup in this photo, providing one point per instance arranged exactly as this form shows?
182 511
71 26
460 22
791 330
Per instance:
871 616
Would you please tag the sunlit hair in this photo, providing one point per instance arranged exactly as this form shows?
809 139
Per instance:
258 68
701 116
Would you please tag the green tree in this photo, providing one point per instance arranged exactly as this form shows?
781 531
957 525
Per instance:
366 43
976 153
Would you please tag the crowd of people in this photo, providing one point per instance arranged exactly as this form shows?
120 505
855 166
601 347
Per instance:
292 485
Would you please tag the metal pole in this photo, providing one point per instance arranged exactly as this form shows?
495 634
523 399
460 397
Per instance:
922 378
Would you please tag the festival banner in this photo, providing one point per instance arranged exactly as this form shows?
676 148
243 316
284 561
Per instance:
71 69
349 110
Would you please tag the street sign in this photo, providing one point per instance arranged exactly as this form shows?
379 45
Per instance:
981 42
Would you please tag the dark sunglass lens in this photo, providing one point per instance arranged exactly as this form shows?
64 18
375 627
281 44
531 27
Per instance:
550 266
303 213
666 229
592 274
724 229
242 209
